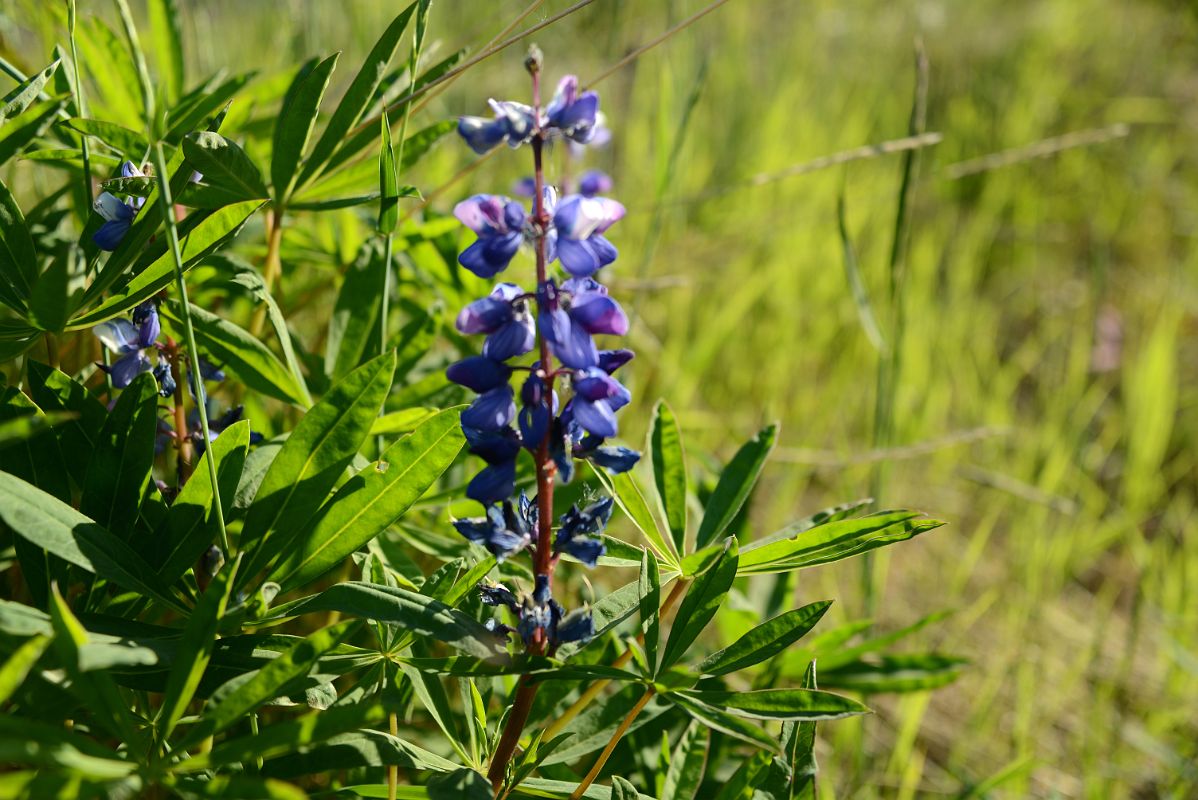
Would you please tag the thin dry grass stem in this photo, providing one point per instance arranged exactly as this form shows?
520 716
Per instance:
640 51
1041 149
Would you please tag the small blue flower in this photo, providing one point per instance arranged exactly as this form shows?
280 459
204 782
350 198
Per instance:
478 373
597 396
541 615
594 182
569 340
613 458
577 626
592 309
578 226
491 410
502 531
499 595
580 531
166 381
513 123
499 224
506 319
118 216
130 340
574 114
493 483
536 410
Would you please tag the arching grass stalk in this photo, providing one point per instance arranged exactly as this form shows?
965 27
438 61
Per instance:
172 238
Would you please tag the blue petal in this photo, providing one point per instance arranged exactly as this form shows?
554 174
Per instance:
514 339
578 626
577 257
479 373
110 234
495 483
493 446
491 410
128 367
482 134
615 459
595 417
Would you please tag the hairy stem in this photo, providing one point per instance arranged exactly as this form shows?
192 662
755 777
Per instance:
615 740
172 235
545 468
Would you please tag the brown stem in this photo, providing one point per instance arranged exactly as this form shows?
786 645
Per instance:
615 740
52 350
272 266
393 770
595 689
545 468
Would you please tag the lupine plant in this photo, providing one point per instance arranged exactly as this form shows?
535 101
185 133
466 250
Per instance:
235 568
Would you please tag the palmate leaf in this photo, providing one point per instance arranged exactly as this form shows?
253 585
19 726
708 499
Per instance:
241 353
703 599
260 687
294 125
312 461
372 500
724 722
357 97
736 482
119 469
61 530
669 471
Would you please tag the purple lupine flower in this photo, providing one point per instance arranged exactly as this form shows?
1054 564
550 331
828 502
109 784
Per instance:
525 187
506 320
478 373
513 123
130 340
491 410
217 423
569 341
594 182
118 215
597 397
499 595
572 113
578 226
581 529
503 531
568 327
166 381
536 409
615 459
499 224
600 137
499 448
539 612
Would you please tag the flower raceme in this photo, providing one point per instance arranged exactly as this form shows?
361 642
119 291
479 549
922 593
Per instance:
131 340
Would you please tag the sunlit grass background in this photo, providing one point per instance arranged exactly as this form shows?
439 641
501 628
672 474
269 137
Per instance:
1046 404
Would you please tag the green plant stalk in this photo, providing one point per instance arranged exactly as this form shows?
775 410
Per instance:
890 362
80 104
271 268
172 237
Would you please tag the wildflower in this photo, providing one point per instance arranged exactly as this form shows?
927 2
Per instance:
536 410
568 327
130 340
597 397
499 224
513 123
499 448
594 182
491 410
541 615
506 320
579 534
572 113
502 531
166 380
578 226
217 423
118 215
479 373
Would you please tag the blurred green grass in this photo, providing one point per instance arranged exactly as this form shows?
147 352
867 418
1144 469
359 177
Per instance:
1047 405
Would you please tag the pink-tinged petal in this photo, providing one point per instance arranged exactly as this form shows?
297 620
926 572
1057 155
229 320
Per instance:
599 314
118 335
482 213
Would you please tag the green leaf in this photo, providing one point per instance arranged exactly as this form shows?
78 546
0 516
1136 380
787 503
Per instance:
18 258
54 391
724 722
835 541
237 787
95 690
354 323
48 305
649 589
20 664
225 164
461 784
821 517
61 530
25 94
735 483
631 500
248 277
364 748
703 599
285 736
388 182
765 641
57 750
594 727
313 460
772 704
294 125
669 471
17 140
687 764
195 650
241 353
411 611
372 500
265 684
167 38
358 96
798 745
130 144
119 469
895 673
622 789
211 233
190 525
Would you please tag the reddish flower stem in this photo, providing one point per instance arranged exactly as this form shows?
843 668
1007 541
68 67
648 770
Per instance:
182 435
543 561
